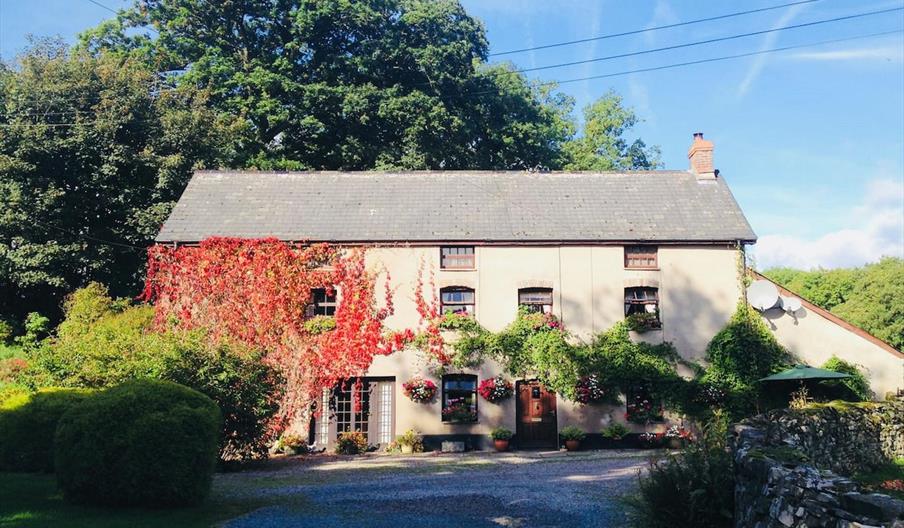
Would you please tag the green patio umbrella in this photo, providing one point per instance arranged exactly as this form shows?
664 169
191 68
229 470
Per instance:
803 372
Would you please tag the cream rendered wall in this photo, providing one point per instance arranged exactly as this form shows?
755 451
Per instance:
698 289
813 339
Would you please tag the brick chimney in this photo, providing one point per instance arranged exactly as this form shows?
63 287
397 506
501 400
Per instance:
701 157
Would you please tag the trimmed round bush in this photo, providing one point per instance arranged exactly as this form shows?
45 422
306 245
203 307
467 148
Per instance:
27 425
142 443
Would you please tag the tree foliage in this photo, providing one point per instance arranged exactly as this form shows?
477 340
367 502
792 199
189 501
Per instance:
350 85
739 355
92 149
871 297
104 342
603 146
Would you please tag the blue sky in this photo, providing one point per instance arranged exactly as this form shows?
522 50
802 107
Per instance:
811 140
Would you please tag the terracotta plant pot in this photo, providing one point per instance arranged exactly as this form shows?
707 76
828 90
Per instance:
407 449
675 443
572 445
501 445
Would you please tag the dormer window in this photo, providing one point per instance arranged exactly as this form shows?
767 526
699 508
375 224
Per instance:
641 257
456 258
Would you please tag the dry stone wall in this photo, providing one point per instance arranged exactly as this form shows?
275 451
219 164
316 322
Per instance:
789 466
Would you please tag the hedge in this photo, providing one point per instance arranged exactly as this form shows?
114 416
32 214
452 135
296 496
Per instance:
27 426
145 442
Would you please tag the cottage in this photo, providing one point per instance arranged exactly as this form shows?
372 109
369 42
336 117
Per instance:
590 248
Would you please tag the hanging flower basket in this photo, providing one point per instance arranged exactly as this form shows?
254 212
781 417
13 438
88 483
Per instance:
419 390
589 389
496 389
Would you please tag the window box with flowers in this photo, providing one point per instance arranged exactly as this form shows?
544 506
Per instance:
643 322
496 389
641 408
457 410
419 390
589 389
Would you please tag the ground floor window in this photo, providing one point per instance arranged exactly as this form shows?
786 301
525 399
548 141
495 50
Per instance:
641 405
459 398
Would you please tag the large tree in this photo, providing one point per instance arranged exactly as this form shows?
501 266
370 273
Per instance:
350 85
603 146
93 152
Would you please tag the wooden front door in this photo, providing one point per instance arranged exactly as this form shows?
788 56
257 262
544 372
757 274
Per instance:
536 416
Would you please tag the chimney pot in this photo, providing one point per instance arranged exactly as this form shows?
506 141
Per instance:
701 158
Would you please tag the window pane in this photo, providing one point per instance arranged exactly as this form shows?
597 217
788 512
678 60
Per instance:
457 257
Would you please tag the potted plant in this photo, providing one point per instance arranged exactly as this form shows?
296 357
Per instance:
501 437
614 433
572 435
410 442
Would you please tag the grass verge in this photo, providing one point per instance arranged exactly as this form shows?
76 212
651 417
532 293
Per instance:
893 471
32 500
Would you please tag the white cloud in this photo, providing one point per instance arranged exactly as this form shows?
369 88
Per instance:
877 230
885 53
756 67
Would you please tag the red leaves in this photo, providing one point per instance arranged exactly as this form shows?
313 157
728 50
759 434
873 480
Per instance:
431 317
257 292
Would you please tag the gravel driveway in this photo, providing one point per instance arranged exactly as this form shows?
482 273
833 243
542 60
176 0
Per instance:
437 491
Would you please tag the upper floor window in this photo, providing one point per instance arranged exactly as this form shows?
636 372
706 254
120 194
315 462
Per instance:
323 302
456 257
459 398
642 306
536 299
457 300
644 257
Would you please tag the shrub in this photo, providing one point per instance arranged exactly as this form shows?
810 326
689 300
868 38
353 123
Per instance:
292 444
691 488
857 385
572 432
739 355
351 443
145 442
501 433
615 431
27 426
104 342
245 388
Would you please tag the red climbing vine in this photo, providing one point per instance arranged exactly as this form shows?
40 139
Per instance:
257 292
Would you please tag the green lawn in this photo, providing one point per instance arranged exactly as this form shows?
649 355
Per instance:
32 500
891 471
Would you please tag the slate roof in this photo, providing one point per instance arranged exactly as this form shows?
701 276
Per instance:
666 206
